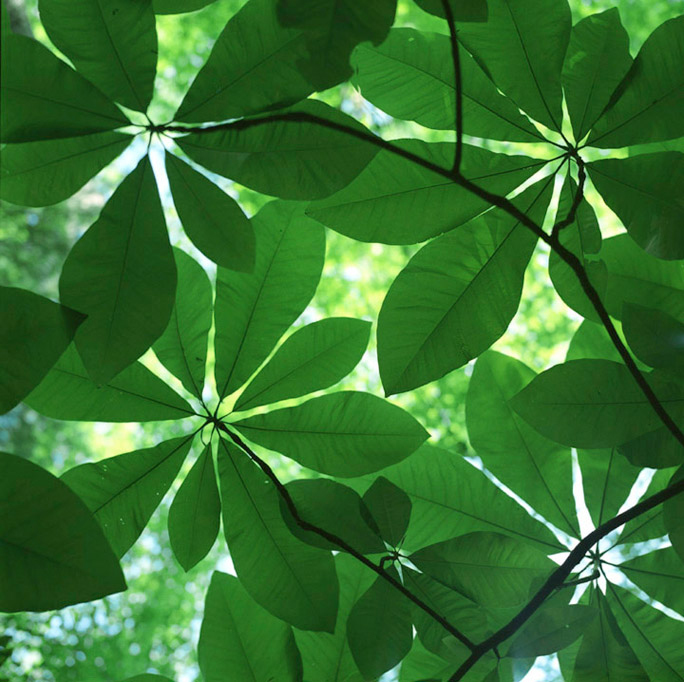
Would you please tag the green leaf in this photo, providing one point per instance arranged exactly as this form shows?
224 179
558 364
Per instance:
42 98
252 68
658 449
411 76
111 276
597 60
655 337
134 395
607 479
195 513
332 28
581 237
326 656
288 159
182 348
147 677
113 43
178 6
389 201
450 497
604 653
660 574
533 467
252 311
34 332
123 491
523 47
490 568
52 551
440 312
591 342
673 511
636 277
655 638
379 629
645 193
294 581
240 641
550 629
333 507
388 510
648 105
423 665
48 171
315 356
341 434
213 220
593 404
462 10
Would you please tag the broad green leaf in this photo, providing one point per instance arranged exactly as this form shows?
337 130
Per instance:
523 45
440 312
462 10
597 60
395 201
34 332
332 28
655 337
604 653
294 581
195 512
450 497
123 491
178 6
253 310
286 159
593 404
148 677
379 629
423 665
134 395
654 637
607 479
660 574
213 220
43 98
591 342
52 551
326 656
658 449
340 434
388 510
48 171
533 467
637 277
650 524
648 105
315 356
333 507
5 28
113 43
581 237
240 641
182 348
550 629
645 193
121 274
411 76
490 568
252 68
673 512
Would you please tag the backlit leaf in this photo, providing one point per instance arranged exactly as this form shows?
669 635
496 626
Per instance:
672 516
388 510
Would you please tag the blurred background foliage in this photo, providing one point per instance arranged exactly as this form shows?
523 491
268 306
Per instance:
154 625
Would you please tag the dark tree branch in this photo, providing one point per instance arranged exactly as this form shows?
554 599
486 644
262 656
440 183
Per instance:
458 82
557 578
336 540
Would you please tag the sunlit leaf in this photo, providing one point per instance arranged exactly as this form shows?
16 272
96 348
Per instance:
388 510
123 491
52 551
178 6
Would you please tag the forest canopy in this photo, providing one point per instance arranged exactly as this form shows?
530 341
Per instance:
341 341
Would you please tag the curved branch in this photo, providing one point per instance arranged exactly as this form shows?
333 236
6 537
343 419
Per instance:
458 82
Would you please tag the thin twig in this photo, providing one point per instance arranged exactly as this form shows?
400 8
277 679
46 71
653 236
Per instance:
336 540
458 81
577 199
